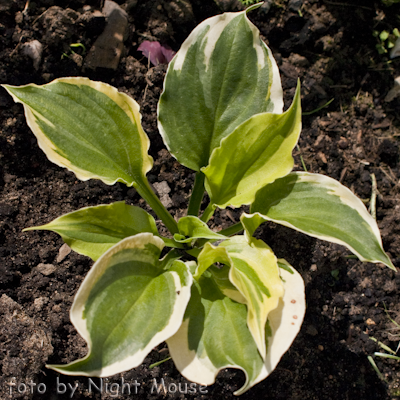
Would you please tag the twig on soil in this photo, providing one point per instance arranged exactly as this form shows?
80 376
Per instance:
343 174
391 176
16 47
40 16
25 10
318 108
334 3
147 81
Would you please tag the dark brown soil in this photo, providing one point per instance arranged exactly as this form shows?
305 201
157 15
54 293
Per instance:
330 46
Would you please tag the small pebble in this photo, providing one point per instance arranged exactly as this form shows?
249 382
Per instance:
40 302
266 6
295 5
298 60
311 330
63 252
45 269
313 268
343 143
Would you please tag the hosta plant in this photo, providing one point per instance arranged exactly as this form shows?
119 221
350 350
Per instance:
218 300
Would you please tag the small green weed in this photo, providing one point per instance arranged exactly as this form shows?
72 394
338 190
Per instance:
386 40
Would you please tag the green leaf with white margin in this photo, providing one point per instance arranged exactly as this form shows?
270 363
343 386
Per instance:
284 322
222 75
220 275
191 228
127 304
210 255
87 127
321 207
93 230
255 154
214 334
254 273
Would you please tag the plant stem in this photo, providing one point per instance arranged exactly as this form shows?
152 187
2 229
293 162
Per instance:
170 258
172 243
231 230
144 189
197 194
208 212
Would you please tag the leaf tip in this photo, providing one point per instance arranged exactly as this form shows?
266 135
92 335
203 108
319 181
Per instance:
35 228
31 228
10 90
390 265
253 7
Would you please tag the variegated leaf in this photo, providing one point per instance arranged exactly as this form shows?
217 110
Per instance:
128 304
214 334
88 127
254 273
191 228
209 255
222 75
321 207
255 154
93 230
221 275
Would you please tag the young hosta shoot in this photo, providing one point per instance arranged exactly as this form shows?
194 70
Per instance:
218 301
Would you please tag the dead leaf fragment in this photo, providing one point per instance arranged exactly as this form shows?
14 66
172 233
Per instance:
395 91
396 49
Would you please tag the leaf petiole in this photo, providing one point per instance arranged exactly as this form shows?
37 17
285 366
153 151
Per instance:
208 212
172 243
232 230
197 194
145 191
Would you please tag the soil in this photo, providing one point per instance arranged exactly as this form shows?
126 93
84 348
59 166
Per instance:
330 46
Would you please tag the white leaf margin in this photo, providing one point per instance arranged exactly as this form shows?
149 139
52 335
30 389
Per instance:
78 306
347 197
126 103
285 323
215 26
